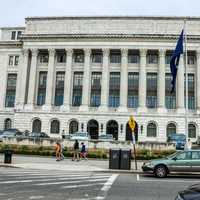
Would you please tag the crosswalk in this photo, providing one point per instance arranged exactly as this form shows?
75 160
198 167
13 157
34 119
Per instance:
88 184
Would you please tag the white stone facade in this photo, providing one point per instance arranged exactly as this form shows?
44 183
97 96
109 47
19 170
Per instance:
105 33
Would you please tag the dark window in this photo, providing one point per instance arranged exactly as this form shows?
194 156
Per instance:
11 60
13 35
42 88
191 92
55 126
73 127
97 56
7 124
170 98
78 56
77 89
133 84
16 60
11 90
59 90
44 58
151 90
114 89
191 59
61 58
115 56
95 99
152 58
191 131
133 56
151 130
171 128
19 33
36 126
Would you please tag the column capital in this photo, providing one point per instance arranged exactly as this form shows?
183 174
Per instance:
162 52
69 51
124 52
34 52
106 51
51 52
87 52
25 52
143 52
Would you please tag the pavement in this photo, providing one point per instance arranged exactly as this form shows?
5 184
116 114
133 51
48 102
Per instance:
50 163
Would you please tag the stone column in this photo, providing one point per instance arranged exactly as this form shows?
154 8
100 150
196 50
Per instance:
68 81
198 81
32 80
105 81
161 82
124 81
50 81
22 80
142 82
180 86
86 81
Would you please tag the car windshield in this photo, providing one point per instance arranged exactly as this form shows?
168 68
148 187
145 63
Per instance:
177 137
8 133
173 155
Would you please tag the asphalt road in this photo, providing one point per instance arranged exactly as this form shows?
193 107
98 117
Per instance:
19 184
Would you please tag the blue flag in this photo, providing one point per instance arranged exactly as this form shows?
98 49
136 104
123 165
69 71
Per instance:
175 60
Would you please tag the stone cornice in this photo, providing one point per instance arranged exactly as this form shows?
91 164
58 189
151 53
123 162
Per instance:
11 44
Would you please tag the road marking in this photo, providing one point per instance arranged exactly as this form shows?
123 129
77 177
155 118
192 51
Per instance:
36 197
109 183
85 185
138 177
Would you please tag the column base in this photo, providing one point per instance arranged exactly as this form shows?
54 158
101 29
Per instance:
142 109
122 109
83 108
180 110
161 110
65 108
29 107
103 108
46 107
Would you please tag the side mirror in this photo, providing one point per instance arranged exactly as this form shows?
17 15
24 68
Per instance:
175 158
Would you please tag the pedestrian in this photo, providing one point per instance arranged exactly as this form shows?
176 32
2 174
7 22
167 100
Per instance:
58 151
63 134
188 145
62 157
83 153
76 151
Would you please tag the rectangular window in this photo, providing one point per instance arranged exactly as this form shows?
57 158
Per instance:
42 88
13 35
97 57
59 90
115 56
16 60
11 90
170 98
19 33
191 92
133 84
44 58
95 99
133 56
78 56
152 58
13 60
168 58
114 89
77 89
191 59
61 58
151 90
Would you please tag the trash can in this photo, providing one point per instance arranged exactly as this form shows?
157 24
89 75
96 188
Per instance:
125 159
114 158
8 156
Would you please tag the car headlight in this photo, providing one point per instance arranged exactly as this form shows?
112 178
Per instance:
179 197
148 164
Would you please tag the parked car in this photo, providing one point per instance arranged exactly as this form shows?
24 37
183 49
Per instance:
38 135
178 139
80 136
181 161
9 133
191 193
1 133
106 137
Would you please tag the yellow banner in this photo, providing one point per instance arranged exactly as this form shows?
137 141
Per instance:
131 123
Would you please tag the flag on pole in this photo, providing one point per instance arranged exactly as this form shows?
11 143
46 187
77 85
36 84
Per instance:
175 60
131 123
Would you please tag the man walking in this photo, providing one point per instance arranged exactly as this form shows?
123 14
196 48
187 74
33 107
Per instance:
76 151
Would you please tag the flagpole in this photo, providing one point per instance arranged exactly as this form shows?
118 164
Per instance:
186 83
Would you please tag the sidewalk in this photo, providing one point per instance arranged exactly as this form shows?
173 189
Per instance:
50 163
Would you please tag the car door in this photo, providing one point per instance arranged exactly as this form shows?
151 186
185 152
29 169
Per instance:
195 162
181 162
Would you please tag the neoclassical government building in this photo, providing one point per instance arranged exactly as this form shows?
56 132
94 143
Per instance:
68 74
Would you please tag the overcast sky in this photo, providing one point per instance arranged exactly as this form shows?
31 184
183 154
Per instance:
13 12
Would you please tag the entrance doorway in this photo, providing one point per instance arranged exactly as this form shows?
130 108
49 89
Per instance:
112 128
93 129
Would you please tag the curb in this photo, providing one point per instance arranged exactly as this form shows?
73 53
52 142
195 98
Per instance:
8 166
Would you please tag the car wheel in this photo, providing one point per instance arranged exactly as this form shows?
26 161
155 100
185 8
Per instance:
160 171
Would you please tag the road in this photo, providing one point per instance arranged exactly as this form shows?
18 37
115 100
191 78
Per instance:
20 184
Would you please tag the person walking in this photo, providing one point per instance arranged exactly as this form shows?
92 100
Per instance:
76 151
58 151
83 151
62 157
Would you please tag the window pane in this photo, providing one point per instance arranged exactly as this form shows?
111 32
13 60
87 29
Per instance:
16 60
11 58
151 90
13 35
42 88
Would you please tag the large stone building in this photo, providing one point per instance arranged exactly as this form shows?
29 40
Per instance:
92 73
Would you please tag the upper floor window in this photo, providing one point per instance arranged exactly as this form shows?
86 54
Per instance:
44 58
115 56
191 59
13 60
97 56
78 56
15 35
61 58
152 58
168 58
133 57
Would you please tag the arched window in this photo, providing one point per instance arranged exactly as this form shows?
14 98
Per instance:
112 128
7 124
55 126
36 126
73 127
151 130
171 128
93 129
191 131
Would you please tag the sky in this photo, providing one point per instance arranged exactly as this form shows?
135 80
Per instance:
14 12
